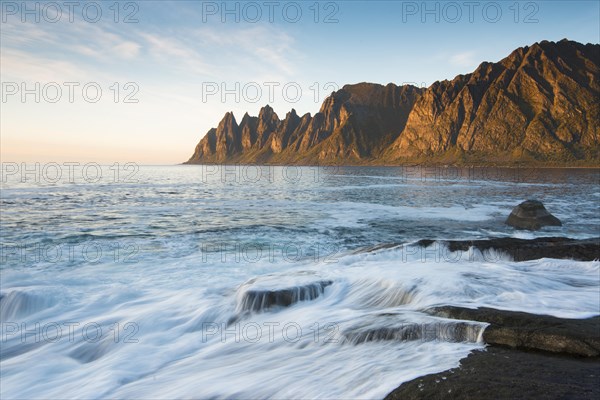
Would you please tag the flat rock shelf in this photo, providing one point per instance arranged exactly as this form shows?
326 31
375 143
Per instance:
504 373
528 356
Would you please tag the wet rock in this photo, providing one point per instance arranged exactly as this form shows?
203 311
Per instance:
88 352
531 249
519 330
452 331
261 300
531 215
503 373
425 242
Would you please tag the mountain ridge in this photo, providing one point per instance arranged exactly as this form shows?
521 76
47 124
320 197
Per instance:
539 106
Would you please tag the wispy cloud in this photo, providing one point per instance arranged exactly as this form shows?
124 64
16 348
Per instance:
464 59
262 50
169 63
108 47
67 51
22 66
174 52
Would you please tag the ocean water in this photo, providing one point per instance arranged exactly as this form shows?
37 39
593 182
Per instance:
266 282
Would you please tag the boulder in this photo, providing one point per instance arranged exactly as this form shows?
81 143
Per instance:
531 215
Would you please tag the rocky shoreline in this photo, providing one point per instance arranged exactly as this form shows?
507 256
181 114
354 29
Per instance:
505 373
528 356
532 332
530 249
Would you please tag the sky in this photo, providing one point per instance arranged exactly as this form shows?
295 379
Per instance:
143 81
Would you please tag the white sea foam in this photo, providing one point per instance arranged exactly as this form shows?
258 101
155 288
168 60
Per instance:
189 345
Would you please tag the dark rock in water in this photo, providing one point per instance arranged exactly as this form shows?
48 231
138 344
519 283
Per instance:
260 300
576 337
531 215
88 351
531 249
503 373
453 331
425 242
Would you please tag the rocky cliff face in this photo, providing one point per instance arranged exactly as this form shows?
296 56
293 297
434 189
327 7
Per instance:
539 105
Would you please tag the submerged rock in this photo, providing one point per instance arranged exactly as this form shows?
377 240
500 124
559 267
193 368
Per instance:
531 215
261 300
450 331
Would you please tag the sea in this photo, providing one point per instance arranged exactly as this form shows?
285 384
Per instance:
236 281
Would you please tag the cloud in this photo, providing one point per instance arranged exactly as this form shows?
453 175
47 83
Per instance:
174 53
21 66
103 45
127 50
262 50
244 53
464 59
238 53
168 61
63 41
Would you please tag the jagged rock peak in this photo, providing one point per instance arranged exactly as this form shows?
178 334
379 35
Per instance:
537 106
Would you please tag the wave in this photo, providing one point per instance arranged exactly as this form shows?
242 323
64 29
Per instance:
380 293
259 300
367 311
451 331
17 304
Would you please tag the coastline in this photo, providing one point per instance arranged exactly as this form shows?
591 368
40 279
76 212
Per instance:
432 164
527 356
503 373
